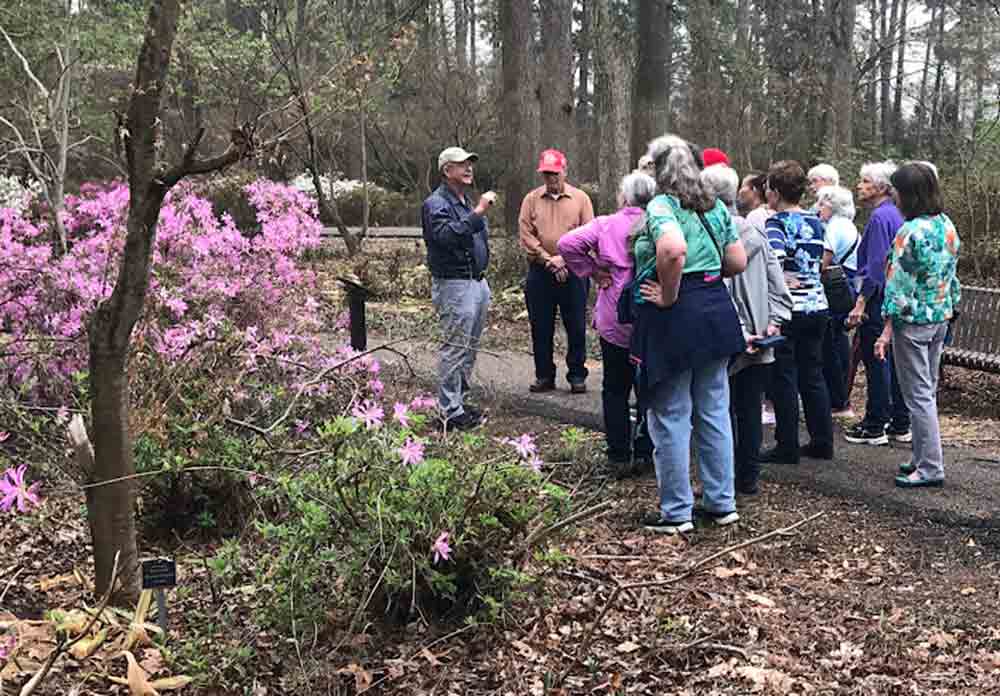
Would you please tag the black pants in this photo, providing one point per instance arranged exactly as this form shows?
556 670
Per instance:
798 369
543 295
618 383
746 393
836 362
884 404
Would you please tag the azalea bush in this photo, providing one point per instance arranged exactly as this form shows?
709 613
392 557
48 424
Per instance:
395 521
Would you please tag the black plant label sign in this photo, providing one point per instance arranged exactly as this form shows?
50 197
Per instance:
159 572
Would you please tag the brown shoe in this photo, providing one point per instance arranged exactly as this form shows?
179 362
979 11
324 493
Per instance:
578 387
542 385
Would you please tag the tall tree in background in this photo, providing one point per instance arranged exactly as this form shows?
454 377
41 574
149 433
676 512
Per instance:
651 101
841 77
555 82
515 26
611 101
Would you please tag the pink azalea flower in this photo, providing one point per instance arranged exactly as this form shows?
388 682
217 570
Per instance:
370 413
441 549
412 452
423 401
525 445
6 648
375 367
14 491
401 412
62 415
534 463
4 435
376 387
301 426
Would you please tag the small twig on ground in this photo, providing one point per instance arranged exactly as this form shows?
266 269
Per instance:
9 584
540 534
66 644
725 647
691 570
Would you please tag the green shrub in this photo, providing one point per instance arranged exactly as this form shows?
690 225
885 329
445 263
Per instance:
356 533
226 192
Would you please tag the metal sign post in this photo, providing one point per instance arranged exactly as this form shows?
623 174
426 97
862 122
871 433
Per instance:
158 574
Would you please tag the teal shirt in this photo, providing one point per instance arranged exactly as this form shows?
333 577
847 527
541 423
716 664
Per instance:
921 286
665 214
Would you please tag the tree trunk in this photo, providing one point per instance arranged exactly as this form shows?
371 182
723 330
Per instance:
515 24
586 157
841 16
980 67
652 81
473 56
886 28
897 104
110 507
871 102
920 114
936 101
461 36
611 102
555 84
959 48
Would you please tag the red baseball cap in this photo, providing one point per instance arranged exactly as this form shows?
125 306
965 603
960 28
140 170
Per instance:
712 155
552 161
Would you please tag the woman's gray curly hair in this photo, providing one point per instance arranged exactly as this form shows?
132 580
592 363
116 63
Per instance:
677 172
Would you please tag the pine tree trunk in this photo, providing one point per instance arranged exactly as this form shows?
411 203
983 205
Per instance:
841 16
936 101
886 28
555 84
473 55
612 105
515 26
461 36
871 102
897 104
922 111
652 80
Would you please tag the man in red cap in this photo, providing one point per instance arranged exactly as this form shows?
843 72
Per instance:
712 155
547 213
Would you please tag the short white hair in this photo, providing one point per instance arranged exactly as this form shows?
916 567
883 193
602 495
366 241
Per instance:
880 173
722 182
826 172
840 200
645 161
638 189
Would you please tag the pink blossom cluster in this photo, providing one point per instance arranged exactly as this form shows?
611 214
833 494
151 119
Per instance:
209 280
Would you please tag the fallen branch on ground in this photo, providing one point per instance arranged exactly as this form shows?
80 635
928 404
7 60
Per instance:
694 568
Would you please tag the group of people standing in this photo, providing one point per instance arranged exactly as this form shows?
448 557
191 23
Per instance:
712 293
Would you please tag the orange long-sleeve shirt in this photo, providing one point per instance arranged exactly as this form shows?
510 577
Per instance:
545 218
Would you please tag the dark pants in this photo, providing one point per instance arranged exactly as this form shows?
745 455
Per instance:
619 382
746 392
884 403
798 369
543 294
837 363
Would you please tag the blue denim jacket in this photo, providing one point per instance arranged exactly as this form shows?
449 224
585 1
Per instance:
456 237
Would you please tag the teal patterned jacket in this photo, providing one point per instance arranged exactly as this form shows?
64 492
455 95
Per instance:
921 284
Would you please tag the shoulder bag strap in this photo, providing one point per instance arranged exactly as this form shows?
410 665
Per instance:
857 240
708 229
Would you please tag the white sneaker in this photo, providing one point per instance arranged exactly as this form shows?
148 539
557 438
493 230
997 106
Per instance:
726 519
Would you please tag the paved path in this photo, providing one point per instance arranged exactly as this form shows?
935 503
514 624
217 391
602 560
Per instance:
971 496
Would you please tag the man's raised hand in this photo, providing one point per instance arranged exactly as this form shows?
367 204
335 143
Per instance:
485 201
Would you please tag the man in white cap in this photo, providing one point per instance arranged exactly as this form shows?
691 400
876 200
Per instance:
456 236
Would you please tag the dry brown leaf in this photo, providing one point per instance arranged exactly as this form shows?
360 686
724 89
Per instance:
430 657
761 600
942 640
627 647
968 590
46 584
152 662
171 683
362 678
86 647
724 573
138 684
763 678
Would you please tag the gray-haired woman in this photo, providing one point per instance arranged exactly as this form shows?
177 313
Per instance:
763 303
600 250
686 331
835 207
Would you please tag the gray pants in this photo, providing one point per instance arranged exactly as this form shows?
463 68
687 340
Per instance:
917 352
461 306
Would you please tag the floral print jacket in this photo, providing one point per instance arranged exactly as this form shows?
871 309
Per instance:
921 285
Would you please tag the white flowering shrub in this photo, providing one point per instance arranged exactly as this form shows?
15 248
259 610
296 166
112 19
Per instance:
14 195
335 187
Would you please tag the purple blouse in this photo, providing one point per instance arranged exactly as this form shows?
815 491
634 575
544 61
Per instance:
604 243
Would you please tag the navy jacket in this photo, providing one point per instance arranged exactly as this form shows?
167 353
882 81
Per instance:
456 238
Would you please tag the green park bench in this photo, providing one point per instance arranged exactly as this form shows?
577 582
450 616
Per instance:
975 340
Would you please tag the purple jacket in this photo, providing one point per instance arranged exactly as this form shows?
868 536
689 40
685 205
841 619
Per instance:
873 252
604 243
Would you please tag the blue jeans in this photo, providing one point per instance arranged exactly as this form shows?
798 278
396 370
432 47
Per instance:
543 295
885 402
695 400
461 306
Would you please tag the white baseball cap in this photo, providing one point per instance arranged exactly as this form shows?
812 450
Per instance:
455 154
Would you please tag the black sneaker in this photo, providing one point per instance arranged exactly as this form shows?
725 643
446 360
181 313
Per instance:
864 434
654 522
814 451
577 387
463 421
723 519
899 434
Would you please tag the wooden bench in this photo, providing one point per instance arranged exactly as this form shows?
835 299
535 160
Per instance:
975 340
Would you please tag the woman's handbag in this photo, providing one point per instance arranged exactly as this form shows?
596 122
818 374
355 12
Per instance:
837 286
